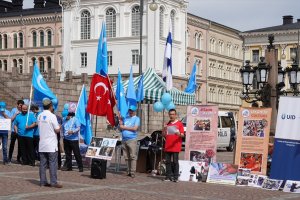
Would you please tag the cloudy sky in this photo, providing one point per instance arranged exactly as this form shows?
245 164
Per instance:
240 14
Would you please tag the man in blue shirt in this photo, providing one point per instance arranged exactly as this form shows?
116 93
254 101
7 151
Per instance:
36 135
129 127
25 131
4 114
71 128
14 136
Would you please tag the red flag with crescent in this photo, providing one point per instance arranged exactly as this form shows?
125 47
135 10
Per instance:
101 100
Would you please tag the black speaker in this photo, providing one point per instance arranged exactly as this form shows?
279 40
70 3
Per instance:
98 168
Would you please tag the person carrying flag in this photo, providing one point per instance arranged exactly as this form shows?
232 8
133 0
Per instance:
129 126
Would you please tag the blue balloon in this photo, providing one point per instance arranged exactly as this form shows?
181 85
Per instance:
170 106
158 106
64 113
166 99
54 101
66 106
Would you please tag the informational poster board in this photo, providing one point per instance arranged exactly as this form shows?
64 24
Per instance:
253 139
292 186
222 173
286 157
5 124
201 133
192 171
101 148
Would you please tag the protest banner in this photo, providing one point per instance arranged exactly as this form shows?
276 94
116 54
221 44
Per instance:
222 173
5 124
101 148
201 133
285 159
253 139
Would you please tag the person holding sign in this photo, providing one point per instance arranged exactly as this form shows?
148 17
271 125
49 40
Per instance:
71 128
4 114
173 133
129 127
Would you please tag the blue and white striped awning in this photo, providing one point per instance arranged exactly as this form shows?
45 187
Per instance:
154 88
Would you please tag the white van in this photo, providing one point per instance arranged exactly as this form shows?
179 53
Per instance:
226 130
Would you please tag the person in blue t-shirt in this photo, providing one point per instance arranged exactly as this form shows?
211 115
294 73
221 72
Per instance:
25 135
129 127
71 128
36 135
4 114
14 136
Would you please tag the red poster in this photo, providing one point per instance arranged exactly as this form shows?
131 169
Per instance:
201 133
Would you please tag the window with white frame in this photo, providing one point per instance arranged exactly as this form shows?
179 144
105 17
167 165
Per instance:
0 41
135 57
173 15
15 40
49 64
161 21
34 39
5 41
21 40
5 65
221 46
83 56
198 64
15 64
197 41
212 45
49 37
21 66
42 64
135 21
228 49
42 36
109 58
111 22
85 25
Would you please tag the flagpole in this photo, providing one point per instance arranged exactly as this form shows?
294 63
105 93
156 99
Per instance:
114 95
29 104
96 125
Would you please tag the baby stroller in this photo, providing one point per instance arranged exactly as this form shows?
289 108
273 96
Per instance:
157 143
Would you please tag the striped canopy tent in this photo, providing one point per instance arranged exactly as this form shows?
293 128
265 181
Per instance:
154 88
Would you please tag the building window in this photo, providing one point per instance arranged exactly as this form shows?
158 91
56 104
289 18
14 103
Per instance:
42 64
85 25
5 65
49 38
109 58
0 41
5 41
34 39
161 21
293 51
42 38
61 37
197 41
21 40
135 21
198 64
255 56
221 47
212 45
135 57
111 22
48 63
15 64
83 59
173 23
15 40
0 64
20 66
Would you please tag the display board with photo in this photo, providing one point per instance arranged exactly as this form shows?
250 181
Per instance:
271 184
222 173
256 180
193 171
243 177
252 161
292 186
254 128
101 148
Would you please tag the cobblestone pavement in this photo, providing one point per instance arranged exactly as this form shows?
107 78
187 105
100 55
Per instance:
22 182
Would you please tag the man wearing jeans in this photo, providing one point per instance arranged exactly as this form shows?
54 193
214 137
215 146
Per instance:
48 129
4 114
129 129
173 132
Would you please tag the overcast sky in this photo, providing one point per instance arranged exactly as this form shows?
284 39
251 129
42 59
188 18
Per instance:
239 14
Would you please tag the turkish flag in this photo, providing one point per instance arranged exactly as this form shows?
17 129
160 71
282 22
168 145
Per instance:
101 100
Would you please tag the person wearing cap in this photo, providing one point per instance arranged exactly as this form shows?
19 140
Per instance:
48 129
24 126
129 127
71 128
4 114
14 136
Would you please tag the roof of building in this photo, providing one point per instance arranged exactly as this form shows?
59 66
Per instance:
284 27
31 11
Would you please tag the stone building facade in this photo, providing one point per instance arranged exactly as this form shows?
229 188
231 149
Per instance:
31 34
217 51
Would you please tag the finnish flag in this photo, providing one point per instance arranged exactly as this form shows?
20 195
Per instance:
167 68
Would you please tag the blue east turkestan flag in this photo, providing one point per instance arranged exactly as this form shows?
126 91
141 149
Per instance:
84 117
140 90
101 62
120 95
130 94
167 68
41 89
192 85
